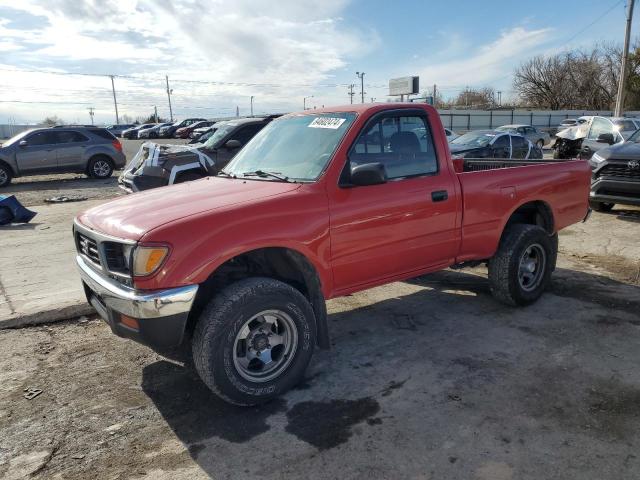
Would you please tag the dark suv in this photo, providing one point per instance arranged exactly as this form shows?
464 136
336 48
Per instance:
157 165
616 175
82 149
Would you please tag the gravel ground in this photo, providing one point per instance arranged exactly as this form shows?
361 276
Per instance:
426 379
34 190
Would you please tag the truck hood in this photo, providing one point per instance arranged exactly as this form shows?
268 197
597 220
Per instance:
621 151
133 216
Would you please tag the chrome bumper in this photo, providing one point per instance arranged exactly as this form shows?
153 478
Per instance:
156 304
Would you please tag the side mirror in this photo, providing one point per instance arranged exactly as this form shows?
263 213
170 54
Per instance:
368 174
231 144
22 143
606 138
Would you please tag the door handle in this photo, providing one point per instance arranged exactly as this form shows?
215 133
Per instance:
439 196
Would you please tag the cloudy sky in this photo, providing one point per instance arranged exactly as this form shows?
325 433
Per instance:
219 53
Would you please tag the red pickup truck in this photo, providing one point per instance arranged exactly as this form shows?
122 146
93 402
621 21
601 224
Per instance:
319 204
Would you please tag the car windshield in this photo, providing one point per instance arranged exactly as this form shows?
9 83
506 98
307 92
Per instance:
475 139
296 147
223 130
16 138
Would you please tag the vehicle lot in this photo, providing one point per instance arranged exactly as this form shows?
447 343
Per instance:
430 378
34 190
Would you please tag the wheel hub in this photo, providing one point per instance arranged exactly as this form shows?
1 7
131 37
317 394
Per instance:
260 342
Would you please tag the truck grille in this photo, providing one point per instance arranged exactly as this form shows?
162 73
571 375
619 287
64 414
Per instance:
88 248
619 171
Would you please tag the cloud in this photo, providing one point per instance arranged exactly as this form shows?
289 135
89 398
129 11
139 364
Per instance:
487 63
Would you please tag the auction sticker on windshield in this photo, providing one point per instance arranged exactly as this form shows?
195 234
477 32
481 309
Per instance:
327 122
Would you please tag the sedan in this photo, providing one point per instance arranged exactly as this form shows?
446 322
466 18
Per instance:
153 132
535 136
494 144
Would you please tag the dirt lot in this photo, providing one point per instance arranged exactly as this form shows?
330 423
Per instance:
34 190
427 379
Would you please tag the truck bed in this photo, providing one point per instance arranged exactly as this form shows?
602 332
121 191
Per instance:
493 189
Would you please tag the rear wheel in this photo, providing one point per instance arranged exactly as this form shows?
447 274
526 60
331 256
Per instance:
521 269
602 206
100 166
5 175
254 340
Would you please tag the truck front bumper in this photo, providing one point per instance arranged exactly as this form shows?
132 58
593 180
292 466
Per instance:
155 318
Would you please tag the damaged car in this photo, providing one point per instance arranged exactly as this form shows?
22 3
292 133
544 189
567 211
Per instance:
584 139
494 144
158 165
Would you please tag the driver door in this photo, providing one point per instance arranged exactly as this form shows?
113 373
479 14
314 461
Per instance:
39 154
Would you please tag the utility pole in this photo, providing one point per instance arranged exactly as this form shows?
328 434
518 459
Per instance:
435 103
499 98
361 77
351 92
91 112
115 102
237 111
169 91
623 65
155 109
304 102
252 105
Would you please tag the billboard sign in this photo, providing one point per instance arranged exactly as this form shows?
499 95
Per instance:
404 86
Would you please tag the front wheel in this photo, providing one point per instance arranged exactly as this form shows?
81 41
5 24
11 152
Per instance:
5 175
601 206
254 340
521 269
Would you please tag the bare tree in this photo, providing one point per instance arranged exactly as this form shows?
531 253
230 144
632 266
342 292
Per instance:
52 121
475 98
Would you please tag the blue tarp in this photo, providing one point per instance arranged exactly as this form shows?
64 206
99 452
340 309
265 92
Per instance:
12 211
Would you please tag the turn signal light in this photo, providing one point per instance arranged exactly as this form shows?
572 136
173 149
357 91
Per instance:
147 260
129 322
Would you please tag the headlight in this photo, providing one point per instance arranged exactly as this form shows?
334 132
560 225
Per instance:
597 158
147 260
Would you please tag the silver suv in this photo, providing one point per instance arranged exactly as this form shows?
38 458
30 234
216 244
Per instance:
90 150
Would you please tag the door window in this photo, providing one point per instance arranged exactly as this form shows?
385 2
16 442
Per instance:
403 144
69 137
598 127
520 147
40 138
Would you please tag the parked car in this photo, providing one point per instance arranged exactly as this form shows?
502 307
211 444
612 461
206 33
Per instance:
203 137
132 132
153 132
90 150
616 175
451 135
494 144
201 131
185 132
169 130
319 204
157 165
597 132
534 135
117 130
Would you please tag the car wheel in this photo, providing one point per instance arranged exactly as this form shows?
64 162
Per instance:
521 269
5 175
540 144
602 206
100 166
254 340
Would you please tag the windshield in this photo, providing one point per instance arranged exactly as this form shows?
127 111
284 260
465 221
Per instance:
222 130
297 147
474 138
16 138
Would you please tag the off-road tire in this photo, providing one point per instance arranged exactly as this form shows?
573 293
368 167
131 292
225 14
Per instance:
504 267
5 175
602 206
105 164
222 319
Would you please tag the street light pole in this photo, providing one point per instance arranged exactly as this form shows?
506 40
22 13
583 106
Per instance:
115 102
252 105
304 102
623 65
361 77
166 77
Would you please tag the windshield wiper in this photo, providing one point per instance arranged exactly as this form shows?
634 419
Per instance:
262 173
222 173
